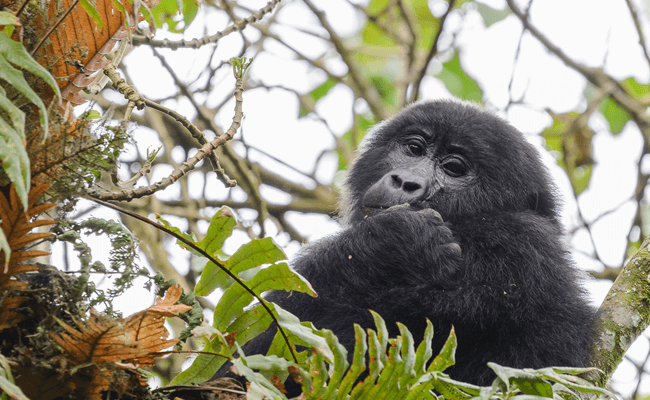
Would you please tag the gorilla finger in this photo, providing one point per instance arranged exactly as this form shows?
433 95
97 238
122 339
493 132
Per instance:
454 247
432 213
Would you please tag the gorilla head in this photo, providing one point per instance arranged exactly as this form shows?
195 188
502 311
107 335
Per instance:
451 157
449 215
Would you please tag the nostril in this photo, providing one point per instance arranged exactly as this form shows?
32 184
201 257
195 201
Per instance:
396 181
411 186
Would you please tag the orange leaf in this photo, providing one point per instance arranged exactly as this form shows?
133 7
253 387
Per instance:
135 340
16 225
78 47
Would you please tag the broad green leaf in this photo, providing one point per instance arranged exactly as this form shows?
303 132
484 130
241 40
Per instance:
7 18
527 382
308 335
637 90
235 298
92 13
615 115
190 10
15 161
15 53
279 346
220 229
559 375
491 15
203 368
458 82
205 365
251 323
259 387
250 255
447 356
166 11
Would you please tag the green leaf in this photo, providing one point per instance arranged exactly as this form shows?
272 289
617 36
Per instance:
92 13
220 229
167 10
187 236
6 381
251 255
573 149
385 87
16 116
16 79
90 115
637 90
447 356
308 335
340 365
458 82
15 161
235 298
16 54
424 351
251 323
615 115
358 363
491 15
7 18
259 386
203 368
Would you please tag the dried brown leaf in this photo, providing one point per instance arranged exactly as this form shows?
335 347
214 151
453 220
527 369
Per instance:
16 225
135 340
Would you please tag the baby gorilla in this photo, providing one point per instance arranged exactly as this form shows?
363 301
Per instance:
449 215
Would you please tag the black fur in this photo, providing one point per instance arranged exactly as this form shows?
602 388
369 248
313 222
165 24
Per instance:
496 268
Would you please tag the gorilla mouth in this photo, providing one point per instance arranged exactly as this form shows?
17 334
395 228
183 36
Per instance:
382 207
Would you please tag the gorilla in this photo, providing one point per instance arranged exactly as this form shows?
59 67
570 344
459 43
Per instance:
449 214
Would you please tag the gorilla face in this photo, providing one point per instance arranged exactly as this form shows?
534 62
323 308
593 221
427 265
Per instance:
451 157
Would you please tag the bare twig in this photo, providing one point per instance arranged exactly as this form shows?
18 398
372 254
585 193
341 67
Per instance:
432 52
197 43
594 75
639 29
360 84
187 166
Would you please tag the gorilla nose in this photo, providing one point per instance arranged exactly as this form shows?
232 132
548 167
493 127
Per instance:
408 186
396 187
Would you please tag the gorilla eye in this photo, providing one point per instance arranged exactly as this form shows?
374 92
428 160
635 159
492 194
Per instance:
455 166
416 147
